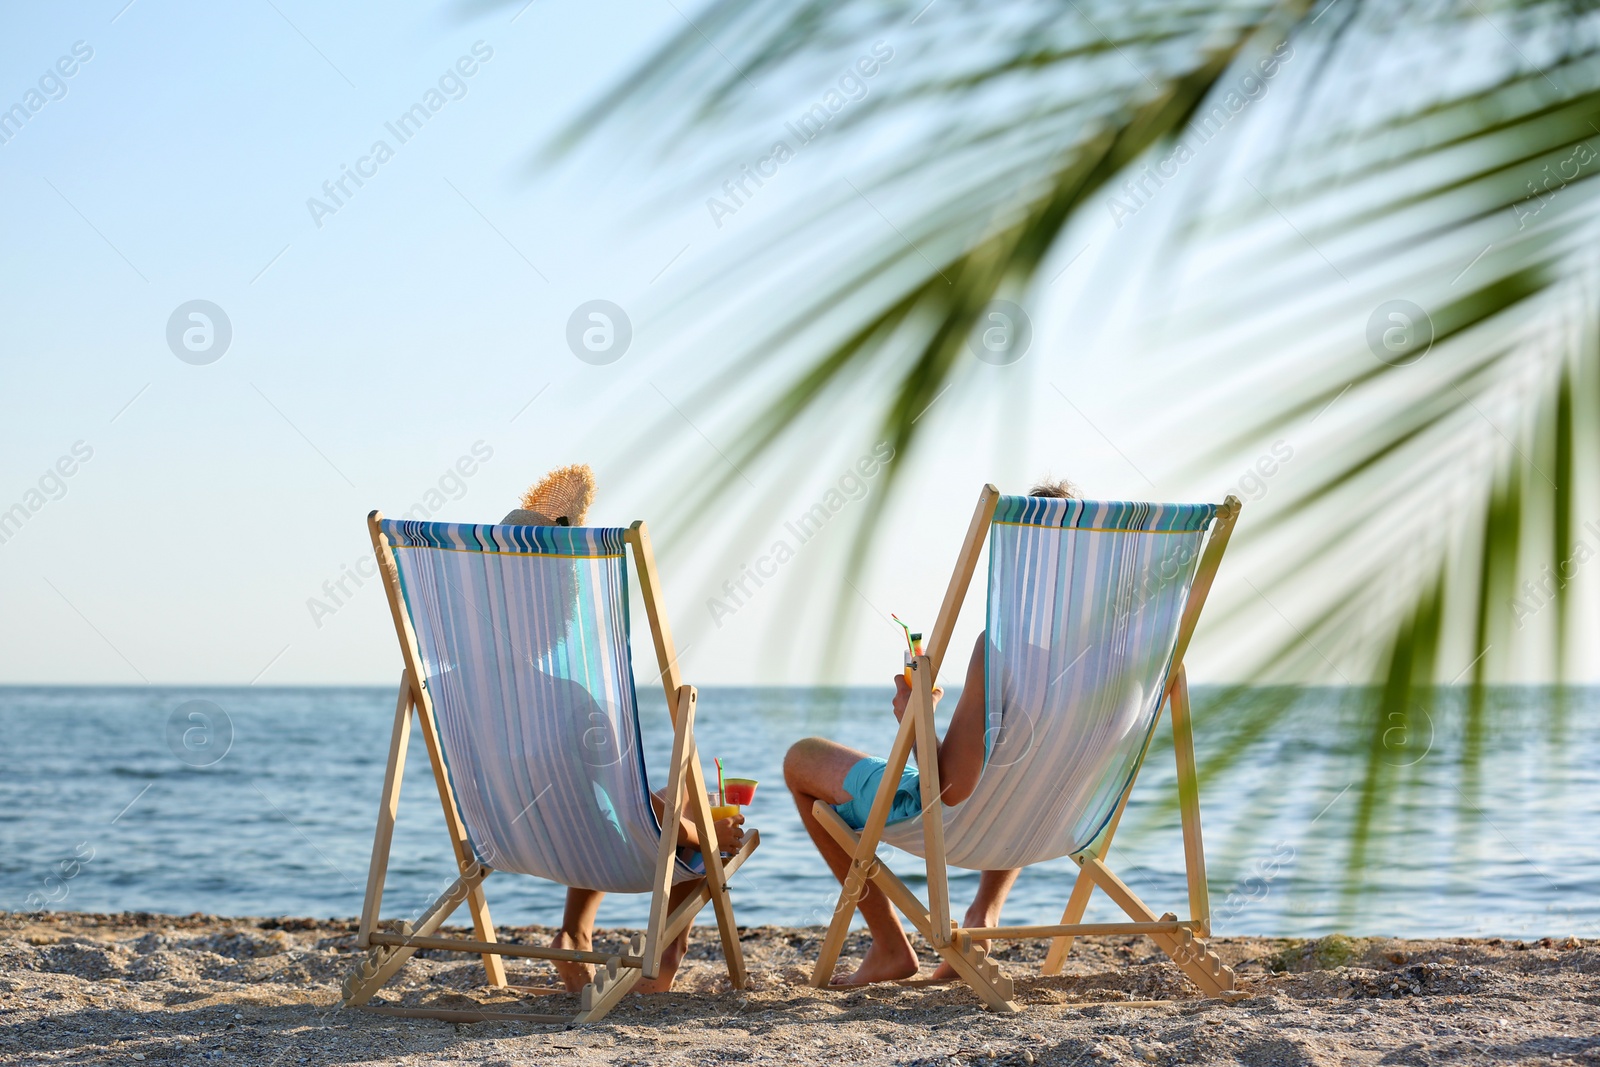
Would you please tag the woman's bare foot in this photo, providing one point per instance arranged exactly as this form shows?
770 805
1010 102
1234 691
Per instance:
883 963
574 975
670 958
946 973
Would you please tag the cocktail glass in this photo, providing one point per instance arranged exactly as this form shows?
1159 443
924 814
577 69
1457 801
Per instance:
739 791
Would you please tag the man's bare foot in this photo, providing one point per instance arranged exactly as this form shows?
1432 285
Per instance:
662 982
883 963
574 975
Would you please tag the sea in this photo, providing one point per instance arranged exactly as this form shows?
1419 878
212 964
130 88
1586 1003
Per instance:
1463 820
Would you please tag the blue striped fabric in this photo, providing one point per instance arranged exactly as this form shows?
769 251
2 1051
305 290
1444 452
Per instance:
523 632
1131 516
1084 603
541 540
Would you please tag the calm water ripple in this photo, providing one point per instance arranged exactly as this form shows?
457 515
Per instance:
282 823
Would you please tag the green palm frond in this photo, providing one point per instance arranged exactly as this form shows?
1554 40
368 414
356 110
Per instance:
1005 191
1441 154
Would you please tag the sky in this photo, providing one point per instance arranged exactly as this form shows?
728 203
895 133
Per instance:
221 350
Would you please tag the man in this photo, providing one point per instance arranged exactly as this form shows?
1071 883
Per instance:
819 769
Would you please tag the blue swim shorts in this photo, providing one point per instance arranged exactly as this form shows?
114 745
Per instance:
862 785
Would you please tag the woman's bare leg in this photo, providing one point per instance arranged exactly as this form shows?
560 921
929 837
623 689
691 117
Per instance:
993 887
577 933
815 769
673 955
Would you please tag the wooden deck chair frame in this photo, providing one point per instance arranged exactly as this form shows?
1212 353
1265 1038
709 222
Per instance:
617 972
1181 940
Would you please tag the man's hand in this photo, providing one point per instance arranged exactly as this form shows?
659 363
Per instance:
730 833
902 696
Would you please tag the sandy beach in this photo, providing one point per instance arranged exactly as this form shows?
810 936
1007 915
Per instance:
80 988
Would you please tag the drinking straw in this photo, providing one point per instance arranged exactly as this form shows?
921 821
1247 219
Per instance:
720 792
907 629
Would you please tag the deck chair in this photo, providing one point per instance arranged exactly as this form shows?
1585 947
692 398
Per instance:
517 665
1091 606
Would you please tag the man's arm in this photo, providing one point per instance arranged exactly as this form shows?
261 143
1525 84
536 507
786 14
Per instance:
961 751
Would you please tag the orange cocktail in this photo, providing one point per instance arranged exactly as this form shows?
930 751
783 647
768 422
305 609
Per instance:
721 810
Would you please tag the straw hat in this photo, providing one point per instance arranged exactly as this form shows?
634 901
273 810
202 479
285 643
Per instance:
561 498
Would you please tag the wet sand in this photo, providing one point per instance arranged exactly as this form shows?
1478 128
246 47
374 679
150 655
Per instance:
82 989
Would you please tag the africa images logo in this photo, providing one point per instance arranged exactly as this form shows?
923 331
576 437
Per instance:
199 332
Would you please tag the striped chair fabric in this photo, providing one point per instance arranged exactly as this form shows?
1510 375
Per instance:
1084 603
523 632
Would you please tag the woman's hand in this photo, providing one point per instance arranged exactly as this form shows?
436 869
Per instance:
902 696
730 833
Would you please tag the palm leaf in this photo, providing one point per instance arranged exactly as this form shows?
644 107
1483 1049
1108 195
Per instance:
1031 114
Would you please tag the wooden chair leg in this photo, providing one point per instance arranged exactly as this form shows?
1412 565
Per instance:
388 809
855 883
667 851
1194 851
716 876
381 962
863 852
1082 890
1077 904
932 801
611 983
1193 956
969 961
494 968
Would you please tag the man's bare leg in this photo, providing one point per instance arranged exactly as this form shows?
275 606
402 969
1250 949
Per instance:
673 955
993 887
577 933
815 769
